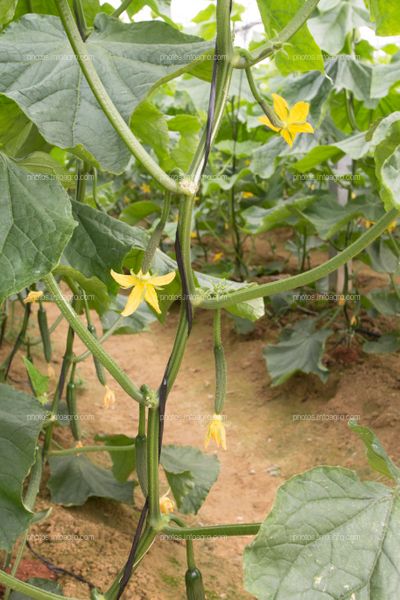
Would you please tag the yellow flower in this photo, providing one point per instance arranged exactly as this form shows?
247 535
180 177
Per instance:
367 223
33 297
144 288
216 432
341 300
392 226
109 397
146 189
217 257
294 119
193 235
247 195
167 505
353 321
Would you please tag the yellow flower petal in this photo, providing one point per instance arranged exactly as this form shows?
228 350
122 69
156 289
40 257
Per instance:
216 432
301 128
281 107
32 297
125 281
135 298
162 279
288 137
265 121
299 112
167 505
151 298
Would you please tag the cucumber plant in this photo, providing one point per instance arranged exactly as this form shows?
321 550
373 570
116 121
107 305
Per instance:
119 135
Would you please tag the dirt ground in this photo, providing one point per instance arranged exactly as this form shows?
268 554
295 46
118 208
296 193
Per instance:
272 434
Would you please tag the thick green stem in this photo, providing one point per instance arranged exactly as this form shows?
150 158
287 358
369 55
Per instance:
284 285
155 238
243 60
101 339
92 343
85 449
211 531
152 465
29 590
107 105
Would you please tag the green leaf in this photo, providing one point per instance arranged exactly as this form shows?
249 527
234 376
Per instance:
95 290
43 584
137 211
258 219
385 301
335 20
147 54
123 463
190 474
300 349
303 53
100 243
383 257
386 344
376 454
329 535
328 216
387 161
150 126
135 323
74 479
386 15
47 166
7 9
21 419
15 127
367 82
36 225
40 382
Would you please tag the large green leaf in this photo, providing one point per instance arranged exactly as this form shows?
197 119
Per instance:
376 454
299 350
328 216
258 219
94 289
21 419
7 9
36 223
386 15
190 474
135 323
43 584
382 257
335 20
328 536
387 161
100 243
385 301
124 463
74 479
303 53
367 82
39 71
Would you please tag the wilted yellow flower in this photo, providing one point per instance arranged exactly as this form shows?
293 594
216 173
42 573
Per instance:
367 223
167 505
193 235
33 297
217 257
341 300
109 397
247 195
146 189
392 226
78 445
294 119
144 288
353 321
216 432
50 371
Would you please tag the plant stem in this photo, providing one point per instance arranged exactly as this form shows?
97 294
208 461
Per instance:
85 449
103 338
268 110
156 235
107 105
92 343
152 465
122 8
29 590
20 338
268 289
212 531
284 35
